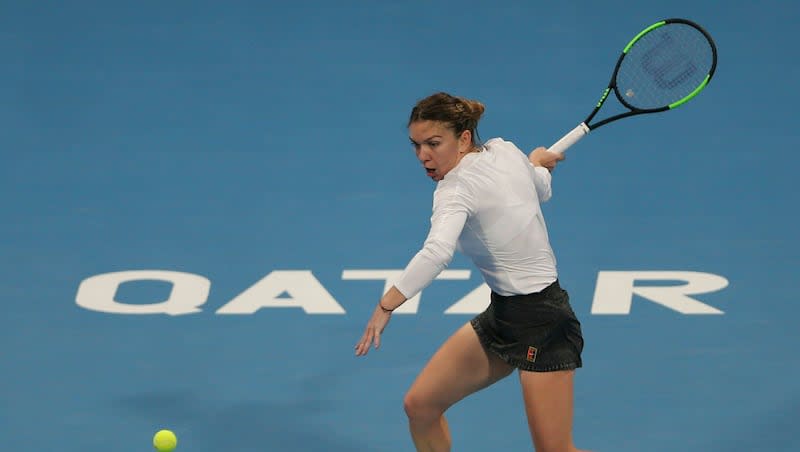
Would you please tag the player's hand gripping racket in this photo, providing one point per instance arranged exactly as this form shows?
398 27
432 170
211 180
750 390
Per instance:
664 66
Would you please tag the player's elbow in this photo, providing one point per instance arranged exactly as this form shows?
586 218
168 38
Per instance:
438 252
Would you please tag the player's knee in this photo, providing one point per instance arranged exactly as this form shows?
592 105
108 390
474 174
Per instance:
420 410
413 405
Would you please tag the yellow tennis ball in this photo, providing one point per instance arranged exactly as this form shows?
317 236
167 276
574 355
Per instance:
165 441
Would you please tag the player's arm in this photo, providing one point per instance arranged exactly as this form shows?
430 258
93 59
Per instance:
451 207
435 256
448 220
544 162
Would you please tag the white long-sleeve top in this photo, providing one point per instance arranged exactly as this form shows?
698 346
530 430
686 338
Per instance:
488 208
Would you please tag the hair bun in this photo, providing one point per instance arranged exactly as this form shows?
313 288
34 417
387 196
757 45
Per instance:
476 108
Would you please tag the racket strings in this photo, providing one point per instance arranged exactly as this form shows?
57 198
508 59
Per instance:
664 66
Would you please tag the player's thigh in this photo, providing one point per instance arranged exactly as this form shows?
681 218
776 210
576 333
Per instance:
549 407
461 366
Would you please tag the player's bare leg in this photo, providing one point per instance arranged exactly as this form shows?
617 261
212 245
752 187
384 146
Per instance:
460 367
549 407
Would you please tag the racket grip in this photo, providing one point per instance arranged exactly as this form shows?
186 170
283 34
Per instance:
569 139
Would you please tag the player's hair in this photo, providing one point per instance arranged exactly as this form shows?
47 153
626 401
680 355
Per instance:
456 113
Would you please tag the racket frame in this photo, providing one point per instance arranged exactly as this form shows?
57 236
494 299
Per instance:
586 126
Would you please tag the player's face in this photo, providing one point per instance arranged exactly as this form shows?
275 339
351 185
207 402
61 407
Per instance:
437 147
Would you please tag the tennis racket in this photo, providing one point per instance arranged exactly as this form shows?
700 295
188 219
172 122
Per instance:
663 67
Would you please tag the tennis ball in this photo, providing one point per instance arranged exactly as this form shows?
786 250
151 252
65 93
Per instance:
165 441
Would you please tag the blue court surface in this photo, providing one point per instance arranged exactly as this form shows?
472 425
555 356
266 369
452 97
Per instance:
203 201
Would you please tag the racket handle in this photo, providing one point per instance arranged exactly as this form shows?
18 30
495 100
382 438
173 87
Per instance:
569 139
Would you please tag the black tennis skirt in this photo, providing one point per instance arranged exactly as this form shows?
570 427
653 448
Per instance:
536 332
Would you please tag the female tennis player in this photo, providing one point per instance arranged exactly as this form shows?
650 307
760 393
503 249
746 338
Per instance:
486 204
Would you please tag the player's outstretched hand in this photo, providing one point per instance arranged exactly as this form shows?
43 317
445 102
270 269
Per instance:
372 334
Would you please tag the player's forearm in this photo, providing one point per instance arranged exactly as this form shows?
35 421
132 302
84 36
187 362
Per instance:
392 299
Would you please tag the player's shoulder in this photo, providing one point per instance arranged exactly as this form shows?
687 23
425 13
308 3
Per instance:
462 179
500 144
505 150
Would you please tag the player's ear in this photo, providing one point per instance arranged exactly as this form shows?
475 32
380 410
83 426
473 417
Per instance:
465 141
